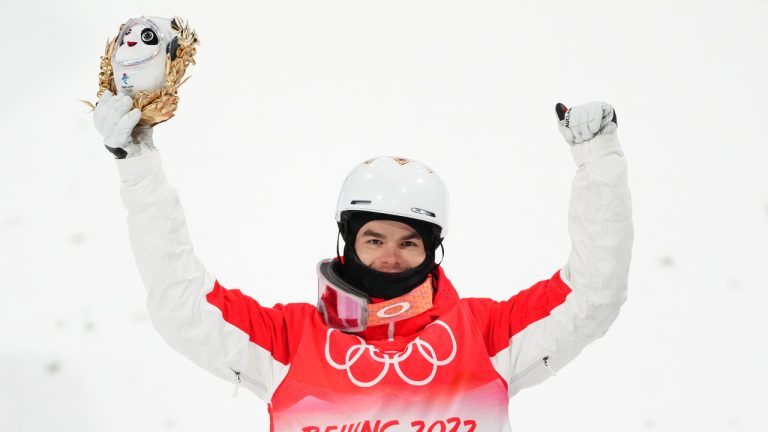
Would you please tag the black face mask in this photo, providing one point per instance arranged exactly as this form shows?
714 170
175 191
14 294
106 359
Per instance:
385 285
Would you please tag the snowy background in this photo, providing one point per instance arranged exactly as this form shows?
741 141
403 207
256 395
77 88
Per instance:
288 96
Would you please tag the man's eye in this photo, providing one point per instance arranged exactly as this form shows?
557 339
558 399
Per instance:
375 242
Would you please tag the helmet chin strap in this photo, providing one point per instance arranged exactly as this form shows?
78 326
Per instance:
442 252
338 236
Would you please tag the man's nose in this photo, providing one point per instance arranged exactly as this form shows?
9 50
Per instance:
392 254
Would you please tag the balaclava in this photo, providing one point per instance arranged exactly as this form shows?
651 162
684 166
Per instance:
378 284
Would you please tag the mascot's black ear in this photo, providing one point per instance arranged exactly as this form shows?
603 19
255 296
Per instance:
172 47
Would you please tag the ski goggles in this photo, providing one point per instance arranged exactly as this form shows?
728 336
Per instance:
348 309
151 40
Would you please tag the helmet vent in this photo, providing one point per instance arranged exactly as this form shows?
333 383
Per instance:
358 202
422 211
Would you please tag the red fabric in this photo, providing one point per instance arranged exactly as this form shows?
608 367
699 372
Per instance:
500 320
264 326
497 321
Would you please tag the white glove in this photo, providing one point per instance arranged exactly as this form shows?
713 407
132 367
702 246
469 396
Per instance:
583 122
116 122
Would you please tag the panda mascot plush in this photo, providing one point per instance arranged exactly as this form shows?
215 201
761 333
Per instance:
147 60
139 60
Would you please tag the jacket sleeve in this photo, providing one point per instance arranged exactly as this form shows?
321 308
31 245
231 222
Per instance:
221 330
539 330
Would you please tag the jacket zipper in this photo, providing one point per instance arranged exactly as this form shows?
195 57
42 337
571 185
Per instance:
238 380
544 361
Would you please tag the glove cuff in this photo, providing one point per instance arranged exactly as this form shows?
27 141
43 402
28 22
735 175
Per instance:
147 161
141 142
119 153
601 145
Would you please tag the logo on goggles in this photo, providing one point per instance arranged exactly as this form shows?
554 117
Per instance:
424 348
393 310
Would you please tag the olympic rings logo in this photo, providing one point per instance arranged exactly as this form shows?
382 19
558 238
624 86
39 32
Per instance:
354 353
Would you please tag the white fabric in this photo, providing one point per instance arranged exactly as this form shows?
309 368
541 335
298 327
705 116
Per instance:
600 226
177 282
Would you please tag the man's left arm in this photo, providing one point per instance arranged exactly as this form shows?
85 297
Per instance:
539 330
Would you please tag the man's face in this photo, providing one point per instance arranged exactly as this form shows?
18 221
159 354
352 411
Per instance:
389 246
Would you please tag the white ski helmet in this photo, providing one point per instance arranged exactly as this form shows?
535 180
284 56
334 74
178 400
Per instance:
140 57
395 186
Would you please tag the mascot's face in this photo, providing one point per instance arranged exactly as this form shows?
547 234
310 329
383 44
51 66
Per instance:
139 60
140 43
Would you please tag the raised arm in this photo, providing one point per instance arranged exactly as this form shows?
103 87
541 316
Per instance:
222 330
539 330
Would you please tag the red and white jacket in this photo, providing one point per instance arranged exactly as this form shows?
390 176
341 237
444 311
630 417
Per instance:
451 368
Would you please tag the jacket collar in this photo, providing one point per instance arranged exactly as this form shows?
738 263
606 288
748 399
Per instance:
444 298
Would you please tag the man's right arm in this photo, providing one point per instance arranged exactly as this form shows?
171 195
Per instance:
221 330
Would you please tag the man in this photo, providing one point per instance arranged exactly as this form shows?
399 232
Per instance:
390 346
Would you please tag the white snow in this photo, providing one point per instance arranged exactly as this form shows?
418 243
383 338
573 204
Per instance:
285 99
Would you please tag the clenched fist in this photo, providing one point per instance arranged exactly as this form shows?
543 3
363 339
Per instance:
583 122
